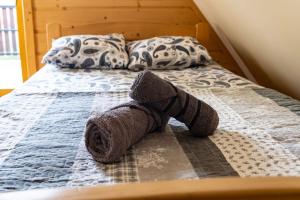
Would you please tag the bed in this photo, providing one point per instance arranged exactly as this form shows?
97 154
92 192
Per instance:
42 126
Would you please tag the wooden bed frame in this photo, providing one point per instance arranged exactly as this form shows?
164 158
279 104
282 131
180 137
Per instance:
131 31
271 188
137 18
263 188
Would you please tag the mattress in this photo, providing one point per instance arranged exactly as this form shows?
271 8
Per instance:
42 131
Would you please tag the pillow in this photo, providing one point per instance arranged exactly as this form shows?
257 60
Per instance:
88 51
166 52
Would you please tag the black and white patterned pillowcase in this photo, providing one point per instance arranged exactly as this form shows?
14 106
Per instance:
88 51
166 52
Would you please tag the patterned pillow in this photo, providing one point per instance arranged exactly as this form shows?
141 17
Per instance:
88 51
166 52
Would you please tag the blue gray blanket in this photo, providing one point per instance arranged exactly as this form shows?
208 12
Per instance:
42 131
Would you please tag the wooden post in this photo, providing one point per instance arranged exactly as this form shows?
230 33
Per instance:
53 31
203 33
30 68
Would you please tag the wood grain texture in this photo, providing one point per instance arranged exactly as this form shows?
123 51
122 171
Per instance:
21 35
268 188
53 32
4 91
154 16
131 31
29 41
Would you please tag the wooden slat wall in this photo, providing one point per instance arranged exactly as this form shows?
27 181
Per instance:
163 12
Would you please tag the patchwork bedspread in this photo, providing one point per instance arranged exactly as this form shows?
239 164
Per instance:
42 127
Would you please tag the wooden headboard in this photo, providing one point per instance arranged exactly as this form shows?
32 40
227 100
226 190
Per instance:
137 19
131 31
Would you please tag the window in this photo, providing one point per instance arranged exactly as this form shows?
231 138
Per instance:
10 66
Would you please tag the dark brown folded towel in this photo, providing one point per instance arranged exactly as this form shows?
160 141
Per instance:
199 117
108 135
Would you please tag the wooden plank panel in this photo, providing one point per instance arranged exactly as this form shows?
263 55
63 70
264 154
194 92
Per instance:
132 31
53 31
92 15
62 4
196 11
202 32
41 42
164 3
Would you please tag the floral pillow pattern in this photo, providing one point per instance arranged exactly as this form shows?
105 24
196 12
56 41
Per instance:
88 51
166 52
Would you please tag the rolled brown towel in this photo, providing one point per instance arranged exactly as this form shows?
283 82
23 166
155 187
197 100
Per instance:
108 135
199 117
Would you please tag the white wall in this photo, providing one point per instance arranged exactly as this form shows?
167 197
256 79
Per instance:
8 2
266 35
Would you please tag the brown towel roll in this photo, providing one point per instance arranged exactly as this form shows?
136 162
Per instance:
199 117
108 135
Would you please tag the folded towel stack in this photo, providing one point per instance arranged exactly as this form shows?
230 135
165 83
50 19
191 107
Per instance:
110 134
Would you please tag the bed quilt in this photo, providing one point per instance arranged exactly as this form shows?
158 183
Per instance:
42 131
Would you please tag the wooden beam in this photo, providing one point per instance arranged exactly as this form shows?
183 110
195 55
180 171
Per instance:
4 92
21 35
260 188
29 43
